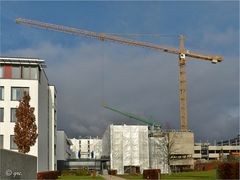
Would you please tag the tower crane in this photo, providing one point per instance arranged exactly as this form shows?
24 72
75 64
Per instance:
181 52
151 124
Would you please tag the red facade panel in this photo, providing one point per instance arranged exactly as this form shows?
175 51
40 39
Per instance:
8 71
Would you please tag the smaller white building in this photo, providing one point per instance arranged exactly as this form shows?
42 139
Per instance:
63 146
207 151
88 148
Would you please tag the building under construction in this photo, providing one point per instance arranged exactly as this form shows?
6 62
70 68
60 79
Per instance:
131 149
127 148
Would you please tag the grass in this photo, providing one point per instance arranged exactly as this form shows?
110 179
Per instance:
126 176
81 177
192 175
183 175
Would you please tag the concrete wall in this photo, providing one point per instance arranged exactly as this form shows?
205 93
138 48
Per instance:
63 146
43 124
182 143
14 165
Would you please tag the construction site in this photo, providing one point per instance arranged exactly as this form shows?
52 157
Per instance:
133 148
119 90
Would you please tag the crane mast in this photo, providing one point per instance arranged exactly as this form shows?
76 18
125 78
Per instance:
182 88
181 52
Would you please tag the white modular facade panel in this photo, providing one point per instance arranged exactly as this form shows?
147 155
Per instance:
158 154
128 147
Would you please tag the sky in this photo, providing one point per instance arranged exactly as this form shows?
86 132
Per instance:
88 72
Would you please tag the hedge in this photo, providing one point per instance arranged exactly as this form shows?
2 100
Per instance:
48 175
228 170
151 173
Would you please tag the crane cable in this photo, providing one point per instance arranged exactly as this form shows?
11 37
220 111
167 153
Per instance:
103 79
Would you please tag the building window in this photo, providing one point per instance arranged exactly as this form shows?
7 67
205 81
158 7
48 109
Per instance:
17 93
26 72
16 72
30 72
13 115
1 141
1 93
34 73
211 151
1 71
55 149
12 143
1 114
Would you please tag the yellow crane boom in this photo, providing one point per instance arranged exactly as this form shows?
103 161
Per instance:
106 37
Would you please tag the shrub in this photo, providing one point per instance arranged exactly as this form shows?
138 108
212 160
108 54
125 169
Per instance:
187 170
151 173
205 166
82 172
112 172
75 172
228 170
68 172
93 173
48 175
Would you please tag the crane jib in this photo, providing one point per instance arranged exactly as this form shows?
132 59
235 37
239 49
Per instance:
104 36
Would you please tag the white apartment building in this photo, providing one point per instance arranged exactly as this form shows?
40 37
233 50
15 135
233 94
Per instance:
88 147
19 75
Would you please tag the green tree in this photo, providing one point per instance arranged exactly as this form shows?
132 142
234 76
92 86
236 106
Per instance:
25 130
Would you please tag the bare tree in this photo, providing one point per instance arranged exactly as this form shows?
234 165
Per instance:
25 129
179 150
162 147
169 149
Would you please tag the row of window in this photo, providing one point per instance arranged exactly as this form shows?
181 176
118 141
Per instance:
212 151
16 93
18 72
13 114
87 142
12 144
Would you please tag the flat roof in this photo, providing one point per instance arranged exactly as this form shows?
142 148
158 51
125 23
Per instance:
22 60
